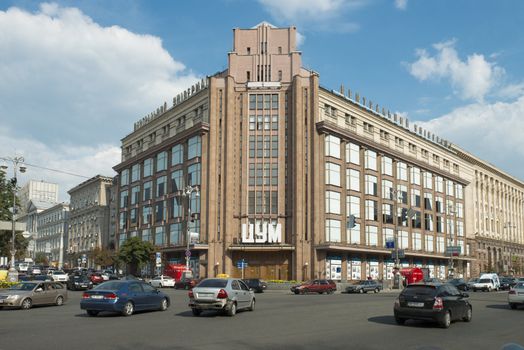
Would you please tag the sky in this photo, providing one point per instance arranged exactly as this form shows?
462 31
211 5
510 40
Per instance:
76 75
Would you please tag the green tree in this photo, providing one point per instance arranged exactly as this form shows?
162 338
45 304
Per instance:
41 259
104 257
134 253
6 204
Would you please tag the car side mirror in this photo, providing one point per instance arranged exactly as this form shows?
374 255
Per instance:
39 290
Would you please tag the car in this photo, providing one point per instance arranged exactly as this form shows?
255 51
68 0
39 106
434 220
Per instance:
459 283
258 285
364 287
35 270
225 295
79 282
516 295
506 283
42 278
186 283
315 286
484 284
58 276
162 281
471 282
96 278
438 302
25 295
124 297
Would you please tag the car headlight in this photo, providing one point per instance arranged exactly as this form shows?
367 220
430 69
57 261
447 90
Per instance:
12 297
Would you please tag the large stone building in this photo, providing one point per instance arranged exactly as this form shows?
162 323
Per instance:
283 168
89 220
52 233
40 191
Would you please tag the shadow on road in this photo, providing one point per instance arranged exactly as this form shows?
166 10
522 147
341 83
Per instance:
498 306
383 320
203 314
390 320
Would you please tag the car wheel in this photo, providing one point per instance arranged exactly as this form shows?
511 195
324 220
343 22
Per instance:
474 290
59 300
252 306
232 310
331 291
400 320
92 312
305 291
361 291
469 315
297 291
129 308
376 290
196 312
164 304
26 304
513 306
446 320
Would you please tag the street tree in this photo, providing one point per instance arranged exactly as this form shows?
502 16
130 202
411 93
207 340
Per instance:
7 187
135 253
41 259
103 257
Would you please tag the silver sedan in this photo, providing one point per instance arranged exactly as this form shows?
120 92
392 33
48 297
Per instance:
223 294
516 295
26 294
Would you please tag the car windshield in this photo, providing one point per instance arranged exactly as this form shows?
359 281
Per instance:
58 273
23 286
357 282
485 280
81 278
213 283
110 286
420 290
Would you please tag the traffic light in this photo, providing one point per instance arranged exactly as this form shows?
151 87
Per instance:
351 222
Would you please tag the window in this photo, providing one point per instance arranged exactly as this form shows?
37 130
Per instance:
353 179
403 240
429 243
124 177
332 174
353 153
161 161
175 234
450 188
440 244
371 185
387 166
440 228
159 236
402 171
332 230
402 193
123 199
193 174
123 221
147 191
371 210
177 181
194 147
146 215
252 102
416 220
387 213
387 235
176 207
332 202
368 127
177 154
353 206
160 211
428 222
353 234
412 148
439 184
135 172
148 167
194 203
146 235
415 175
135 195
428 201
370 160
332 146
417 241
161 186
415 198
459 192
460 228
372 235
428 183
387 189
439 205
459 210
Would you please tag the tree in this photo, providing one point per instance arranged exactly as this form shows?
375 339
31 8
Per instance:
41 259
103 257
134 253
6 204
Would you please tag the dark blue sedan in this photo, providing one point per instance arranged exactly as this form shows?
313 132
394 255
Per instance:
124 297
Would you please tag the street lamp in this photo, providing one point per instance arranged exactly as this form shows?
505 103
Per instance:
508 225
17 161
452 211
395 194
187 192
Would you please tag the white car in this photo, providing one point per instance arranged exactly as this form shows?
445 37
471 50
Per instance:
162 281
59 276
485 284
516 295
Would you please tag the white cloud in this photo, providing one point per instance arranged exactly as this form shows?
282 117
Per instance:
472 78
324 15
493 132
300 39
401 4
70 88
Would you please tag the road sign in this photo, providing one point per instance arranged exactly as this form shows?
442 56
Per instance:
390 243
158 258
401 254
188 253
241 264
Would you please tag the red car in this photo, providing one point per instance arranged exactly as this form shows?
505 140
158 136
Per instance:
315 286
96 278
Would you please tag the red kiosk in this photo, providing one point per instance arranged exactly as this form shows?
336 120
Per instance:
412 275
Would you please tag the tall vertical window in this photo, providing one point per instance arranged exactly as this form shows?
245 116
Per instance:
417 241
122 225
415 198
176 207
123 199
387 235
387 213
387 166
439 205
177 180
194 203
371 210
450 188
353 206
146 235
428 201
332 174
371 185
159 236
403 240
177 154
148 167
135 195
135 172
428 222
415 175
193 174
332 230
332 202
370 160
402 194
161 183
353 179
146 215
387 189
124 177
440 244
332 146
459 192
429 243
161 161
160 211
175 234
428 180
402 171
353 234
372 235
194 147
439 184
416 220
147 190
353 153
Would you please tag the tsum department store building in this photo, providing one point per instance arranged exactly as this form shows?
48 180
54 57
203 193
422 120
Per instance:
280 164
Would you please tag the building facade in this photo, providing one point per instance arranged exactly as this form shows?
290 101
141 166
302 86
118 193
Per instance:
40 191
297 180
89 220
53 233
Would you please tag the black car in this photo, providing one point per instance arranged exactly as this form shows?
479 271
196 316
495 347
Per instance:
506 283
364 287
459 283
79 282
256 284
441 303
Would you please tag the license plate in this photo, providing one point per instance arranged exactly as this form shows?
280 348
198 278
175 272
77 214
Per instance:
97 297
415 304
206 294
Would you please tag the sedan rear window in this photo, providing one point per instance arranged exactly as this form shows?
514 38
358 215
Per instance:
110 286
420 290
213 283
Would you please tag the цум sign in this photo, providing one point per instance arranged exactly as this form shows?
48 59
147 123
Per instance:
265 233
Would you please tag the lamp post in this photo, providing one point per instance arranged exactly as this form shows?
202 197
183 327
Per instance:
394 193
187 192
17 161
452 211
508 225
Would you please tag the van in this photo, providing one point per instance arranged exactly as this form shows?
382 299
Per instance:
494 277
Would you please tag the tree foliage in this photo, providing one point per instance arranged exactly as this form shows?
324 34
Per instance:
6 204
104 257
41 259
135 252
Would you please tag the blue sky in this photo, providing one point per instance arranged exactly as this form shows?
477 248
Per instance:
76 75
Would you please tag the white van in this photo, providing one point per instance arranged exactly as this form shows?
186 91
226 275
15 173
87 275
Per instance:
494 277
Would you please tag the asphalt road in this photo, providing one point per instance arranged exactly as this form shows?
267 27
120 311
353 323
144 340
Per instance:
281 321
